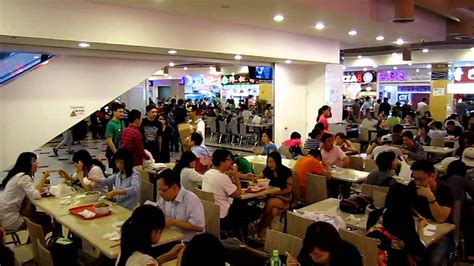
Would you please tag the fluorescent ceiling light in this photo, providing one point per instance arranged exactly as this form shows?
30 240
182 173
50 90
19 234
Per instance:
172 52
395 68
428 66
278 18
288 61
352 33
83 45
171 64
238 57
380 38
364 69
359 56
400 42
375 66
417 70
185 68
425 50
319 26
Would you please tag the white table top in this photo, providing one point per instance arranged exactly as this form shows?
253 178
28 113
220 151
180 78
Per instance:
438 150
262 159
267 191
348 175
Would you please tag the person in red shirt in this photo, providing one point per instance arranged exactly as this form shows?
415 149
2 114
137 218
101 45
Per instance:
312 164
323 114
132 140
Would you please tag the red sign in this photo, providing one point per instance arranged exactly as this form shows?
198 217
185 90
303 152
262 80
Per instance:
463 75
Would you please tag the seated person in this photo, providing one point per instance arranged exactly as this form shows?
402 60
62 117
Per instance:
346 145
296 152
414 150
185 169
434 202
369 121
376 142
395 221
383 124
312 143
311 163
438 131
426 119
386 146
88 167
423 138
126 182
394 119
139 232
203 249
332 154
295 140
182 208
203 155
397 135
7 257
268 145
322 245
408 121
387 162
453 130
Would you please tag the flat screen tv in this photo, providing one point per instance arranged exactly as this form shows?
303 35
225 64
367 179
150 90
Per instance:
261 72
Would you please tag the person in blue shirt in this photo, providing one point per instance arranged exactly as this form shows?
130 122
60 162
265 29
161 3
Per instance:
126 182
268 145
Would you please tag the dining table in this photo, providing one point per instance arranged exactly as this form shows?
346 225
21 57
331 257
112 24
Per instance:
439 151
348 174
259 162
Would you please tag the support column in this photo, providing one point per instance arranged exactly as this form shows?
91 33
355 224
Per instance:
440 100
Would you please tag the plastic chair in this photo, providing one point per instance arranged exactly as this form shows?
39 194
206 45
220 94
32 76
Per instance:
244 134
356 162
234 130
297 225
211 122
203 195
15 238
370 165
146 192
437 142
285 151
36 234
367 246
222 130
296 186
46 259
23 254
316 188
282 242
212 217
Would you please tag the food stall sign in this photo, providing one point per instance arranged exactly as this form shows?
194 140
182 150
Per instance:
358 77
464 75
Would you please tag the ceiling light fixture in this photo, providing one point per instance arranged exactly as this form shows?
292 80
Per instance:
278 18
400 42
344 68
394 54
428 66
472 49
172 52
380 38
375 66
288 61
185 68
410 63
352 32
359 56
84 45
417 70
364 69
36 57
395 68
238 57
319 26
233 74
171 64
425 50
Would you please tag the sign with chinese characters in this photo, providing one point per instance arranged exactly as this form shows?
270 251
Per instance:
410 75
359 77
463 75
237 79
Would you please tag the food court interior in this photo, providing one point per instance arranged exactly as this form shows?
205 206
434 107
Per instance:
236 132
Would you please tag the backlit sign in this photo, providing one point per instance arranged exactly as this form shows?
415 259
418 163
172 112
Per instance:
463 75
358 77
393 76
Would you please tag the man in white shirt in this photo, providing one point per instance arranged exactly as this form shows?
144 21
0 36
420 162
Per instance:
422 107
369 121
197 123
222 186
246 114
438 131
366 106
386 146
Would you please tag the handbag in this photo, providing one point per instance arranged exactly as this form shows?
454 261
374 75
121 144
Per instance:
356 204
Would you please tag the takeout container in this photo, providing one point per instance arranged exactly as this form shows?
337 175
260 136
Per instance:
102 210
93 196
263 182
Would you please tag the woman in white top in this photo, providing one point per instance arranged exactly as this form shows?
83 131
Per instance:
139 232
86 167
17 185
185 168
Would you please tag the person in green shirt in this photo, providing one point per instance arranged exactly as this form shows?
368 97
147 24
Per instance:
112 133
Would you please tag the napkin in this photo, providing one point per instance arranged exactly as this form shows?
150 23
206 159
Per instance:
87 214
118 225
114 236
429 230
65 202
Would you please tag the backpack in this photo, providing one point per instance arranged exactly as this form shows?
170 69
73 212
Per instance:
355 204
64 251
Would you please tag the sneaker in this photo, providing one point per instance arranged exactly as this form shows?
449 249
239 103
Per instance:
55 151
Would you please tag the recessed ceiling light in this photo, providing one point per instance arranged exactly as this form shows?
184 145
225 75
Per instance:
212 68
171 64
288 61
319 26
400 42
395 68
425 50
364 69
472 49
172 52
417 70
428 66
344 68
380 38
238 57
166 75
394 54
83 45
36 57
278 18
233 74
410 63
359 56
352 33
450 65
375 66
185 68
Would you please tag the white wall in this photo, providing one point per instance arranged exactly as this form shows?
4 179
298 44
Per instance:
37 106
136 97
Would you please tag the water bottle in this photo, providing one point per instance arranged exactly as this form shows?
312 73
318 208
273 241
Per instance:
275 261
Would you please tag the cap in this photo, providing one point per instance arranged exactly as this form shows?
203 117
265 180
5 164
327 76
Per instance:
443 165
468 157
386 138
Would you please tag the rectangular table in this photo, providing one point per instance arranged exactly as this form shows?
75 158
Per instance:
331 207
93 230
348 175
259 162
267 191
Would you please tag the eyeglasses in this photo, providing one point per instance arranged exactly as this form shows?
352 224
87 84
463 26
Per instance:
163 190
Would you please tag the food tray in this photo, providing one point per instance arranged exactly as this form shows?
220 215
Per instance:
77 210
254 189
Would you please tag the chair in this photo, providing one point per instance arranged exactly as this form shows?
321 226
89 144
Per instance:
437 142
211 122
258 168
357 163
305 151
367 246
282 242
234 130
36 233
46 259
377 193
212 217
296 186
297 225
144 175
222 130
244 134
363 134
23 254
370 165
316 188
357 146
146 192
208 196
458 238
285 151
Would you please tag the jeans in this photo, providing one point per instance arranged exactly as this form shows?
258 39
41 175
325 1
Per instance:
440 250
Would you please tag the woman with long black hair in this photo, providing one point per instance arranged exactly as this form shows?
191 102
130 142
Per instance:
323 114
19 186
139 232
166 134
185 168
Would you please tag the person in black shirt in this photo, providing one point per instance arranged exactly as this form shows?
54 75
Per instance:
180 112
150 130
452 129
435 202
385 107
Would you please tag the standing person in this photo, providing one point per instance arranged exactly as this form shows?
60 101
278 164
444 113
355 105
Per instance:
462 107
385 107
323 114
366 106
422 107
139 233
197 123
165 135
180 113
377 108
406 109
397 110
126 182
150 129
131 138
356 109
182 208
67 140
112 133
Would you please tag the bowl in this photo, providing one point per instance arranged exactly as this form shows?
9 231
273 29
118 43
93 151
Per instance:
101 208
263 182
91 196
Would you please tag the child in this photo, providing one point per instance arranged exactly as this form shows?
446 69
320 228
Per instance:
203 162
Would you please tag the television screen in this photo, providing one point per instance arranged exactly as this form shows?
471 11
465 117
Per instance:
263 72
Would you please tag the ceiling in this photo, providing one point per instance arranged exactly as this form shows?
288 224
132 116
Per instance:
369 18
